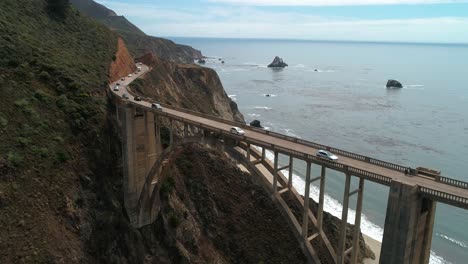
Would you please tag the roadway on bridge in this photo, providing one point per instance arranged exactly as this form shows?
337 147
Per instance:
393 174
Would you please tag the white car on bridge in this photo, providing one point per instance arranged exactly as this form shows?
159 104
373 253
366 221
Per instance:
326 155
237 131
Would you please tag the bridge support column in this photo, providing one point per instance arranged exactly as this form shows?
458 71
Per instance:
275 175
321 199
357 222
153 139
248 152
185 130
290 172
171 132
344 221
408 226
263 154
305 216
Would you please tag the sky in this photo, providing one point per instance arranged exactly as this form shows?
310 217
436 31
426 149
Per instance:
433 21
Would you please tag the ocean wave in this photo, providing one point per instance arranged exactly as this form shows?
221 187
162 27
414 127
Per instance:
270 95
253 115
299 66
335 208
453 240
414 86
289 132
321 71
253 64
263 107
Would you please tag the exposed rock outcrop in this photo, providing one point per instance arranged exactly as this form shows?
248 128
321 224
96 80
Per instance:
394 84
278 63
188 86
122 64
256 123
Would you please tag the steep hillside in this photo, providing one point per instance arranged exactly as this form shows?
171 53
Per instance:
187 86
55 142
137 41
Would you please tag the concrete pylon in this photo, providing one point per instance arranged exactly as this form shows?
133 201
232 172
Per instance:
139 150
127 118
408 226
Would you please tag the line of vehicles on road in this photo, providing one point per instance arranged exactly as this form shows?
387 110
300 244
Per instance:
234 130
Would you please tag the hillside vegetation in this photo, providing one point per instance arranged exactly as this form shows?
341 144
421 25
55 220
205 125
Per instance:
53 110
137 41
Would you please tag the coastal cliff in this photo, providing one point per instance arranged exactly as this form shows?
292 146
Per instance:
188 86
136 40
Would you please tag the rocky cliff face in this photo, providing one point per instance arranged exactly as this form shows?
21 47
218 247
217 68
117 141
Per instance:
188 86
122 63
136 40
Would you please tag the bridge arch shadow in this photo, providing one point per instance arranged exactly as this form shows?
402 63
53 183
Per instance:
149 201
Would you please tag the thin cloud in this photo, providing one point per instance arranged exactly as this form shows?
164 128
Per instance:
334 2
257 22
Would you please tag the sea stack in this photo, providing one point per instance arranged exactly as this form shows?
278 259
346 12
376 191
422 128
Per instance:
394 84
201 61
278 63
256 123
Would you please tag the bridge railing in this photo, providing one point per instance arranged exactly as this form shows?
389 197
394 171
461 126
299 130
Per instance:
445 197
384 164
453 182
341 152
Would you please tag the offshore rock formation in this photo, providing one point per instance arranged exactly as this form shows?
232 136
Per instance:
278 63
394 84
256 123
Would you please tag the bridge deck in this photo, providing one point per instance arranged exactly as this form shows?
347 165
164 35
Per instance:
260 136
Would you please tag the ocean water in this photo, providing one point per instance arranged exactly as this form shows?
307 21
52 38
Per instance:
334 93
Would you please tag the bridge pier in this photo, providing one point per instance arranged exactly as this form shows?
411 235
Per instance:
290 172
341 254
321 199
275 175
409 224
305 214
171 132
140 148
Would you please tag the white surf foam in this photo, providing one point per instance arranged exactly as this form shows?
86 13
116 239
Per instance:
270 95
321 71
335 208
299 66
453 240
263 107
290 133
414 87
253 64
253 115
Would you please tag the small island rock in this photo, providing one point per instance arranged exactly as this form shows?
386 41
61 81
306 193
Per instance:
278 63
201 61
255 123
394 84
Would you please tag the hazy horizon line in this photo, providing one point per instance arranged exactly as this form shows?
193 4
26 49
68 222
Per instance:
326 40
